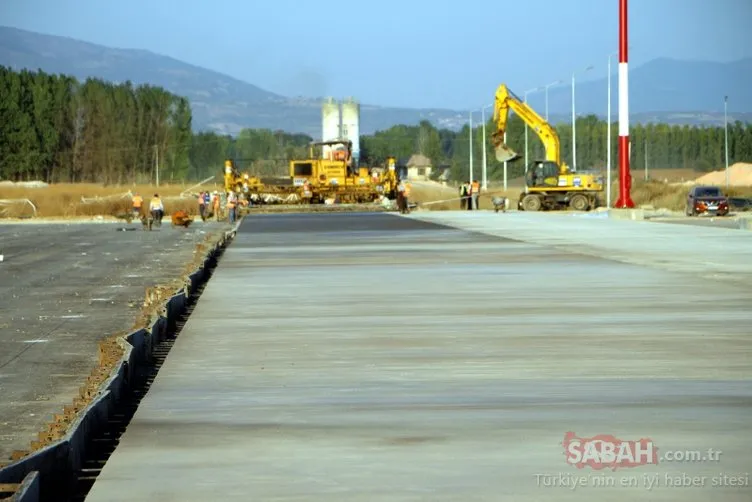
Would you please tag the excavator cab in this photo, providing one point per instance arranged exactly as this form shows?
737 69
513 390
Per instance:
542 173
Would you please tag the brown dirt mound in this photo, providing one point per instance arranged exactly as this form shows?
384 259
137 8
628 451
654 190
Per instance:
740 174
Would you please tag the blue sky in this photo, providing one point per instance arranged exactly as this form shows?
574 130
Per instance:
448 54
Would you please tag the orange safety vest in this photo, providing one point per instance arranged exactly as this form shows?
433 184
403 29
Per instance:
407 189
137 201
476 187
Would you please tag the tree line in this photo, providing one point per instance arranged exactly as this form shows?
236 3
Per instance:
657 145
57 129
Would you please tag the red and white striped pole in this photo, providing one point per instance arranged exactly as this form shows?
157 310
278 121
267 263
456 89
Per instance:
625 179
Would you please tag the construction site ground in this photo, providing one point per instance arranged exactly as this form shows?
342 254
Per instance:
63 288
345 357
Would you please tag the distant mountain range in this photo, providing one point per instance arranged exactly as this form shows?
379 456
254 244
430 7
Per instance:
681 92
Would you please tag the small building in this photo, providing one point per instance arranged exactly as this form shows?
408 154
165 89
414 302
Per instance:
419 167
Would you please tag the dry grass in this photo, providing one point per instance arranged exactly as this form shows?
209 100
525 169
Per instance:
658 194
670 196
68 200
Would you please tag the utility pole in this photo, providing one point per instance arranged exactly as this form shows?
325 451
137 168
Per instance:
608 137
505 163
546 88
574 123
156 162
646 159
484 186
725 128
526 127
470 140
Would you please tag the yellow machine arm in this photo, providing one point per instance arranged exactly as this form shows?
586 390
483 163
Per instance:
506 100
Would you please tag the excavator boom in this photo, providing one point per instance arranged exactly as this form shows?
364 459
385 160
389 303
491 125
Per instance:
506 100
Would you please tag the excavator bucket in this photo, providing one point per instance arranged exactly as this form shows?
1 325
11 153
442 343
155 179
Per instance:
505 154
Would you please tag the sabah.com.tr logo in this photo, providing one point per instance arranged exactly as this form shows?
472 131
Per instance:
607 452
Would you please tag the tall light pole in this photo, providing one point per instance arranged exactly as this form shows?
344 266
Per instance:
485 147
574 123
608 135
725 127
526 128
505 163
546 87
470 139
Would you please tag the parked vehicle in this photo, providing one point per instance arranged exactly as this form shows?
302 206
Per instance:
740 204
706 200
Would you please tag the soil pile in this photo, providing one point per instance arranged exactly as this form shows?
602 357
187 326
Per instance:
740 174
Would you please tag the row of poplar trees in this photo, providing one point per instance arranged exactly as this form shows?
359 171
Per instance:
56 129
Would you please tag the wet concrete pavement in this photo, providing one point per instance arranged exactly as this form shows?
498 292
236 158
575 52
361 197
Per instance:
372 357
64 287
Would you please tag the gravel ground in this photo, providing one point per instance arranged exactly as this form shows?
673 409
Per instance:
64 287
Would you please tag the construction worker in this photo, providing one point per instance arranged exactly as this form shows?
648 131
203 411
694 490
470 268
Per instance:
463 196
232 205
401 196
406 196
157 209
307 193
469 188
215 205
202 206
476 194
138 202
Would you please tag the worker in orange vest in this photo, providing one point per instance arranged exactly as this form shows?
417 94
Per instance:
406 197
138 202
476 194
215 205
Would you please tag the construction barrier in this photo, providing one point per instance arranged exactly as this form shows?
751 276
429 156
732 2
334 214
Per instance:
49 470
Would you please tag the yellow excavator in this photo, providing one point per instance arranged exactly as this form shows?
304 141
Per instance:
549 183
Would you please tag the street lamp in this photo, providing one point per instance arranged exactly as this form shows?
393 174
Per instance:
470 136
526 127
546 87
725 127
485 147
608 135
574 122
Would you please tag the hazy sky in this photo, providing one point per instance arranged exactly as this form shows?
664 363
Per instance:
415 53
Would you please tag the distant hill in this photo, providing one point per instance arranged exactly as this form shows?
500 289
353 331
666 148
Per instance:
225 104
666 90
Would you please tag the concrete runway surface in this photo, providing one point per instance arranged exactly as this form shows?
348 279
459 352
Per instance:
373 357
64 287
702 221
